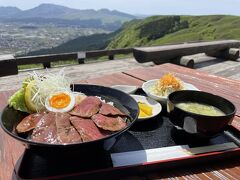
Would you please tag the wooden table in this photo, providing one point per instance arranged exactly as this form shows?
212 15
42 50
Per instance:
11 150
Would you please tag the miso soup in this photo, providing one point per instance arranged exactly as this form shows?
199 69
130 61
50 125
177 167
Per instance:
202 109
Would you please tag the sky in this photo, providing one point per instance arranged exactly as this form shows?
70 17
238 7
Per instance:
144 7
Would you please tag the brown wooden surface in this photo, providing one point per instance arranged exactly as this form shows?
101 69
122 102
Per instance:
117 78
11 150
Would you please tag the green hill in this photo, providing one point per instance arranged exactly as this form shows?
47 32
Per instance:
82 43
157 30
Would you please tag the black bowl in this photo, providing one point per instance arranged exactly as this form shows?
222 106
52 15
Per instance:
197 124
10 118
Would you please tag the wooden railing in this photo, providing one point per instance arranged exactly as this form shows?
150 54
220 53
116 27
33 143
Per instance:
80 56
9 64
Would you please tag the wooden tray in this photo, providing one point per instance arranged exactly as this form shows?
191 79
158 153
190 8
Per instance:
155 133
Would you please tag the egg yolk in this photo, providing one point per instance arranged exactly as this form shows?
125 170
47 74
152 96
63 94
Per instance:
60 101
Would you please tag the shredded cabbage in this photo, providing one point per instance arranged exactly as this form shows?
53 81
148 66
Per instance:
48 83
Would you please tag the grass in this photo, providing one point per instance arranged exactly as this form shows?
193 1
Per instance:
30 66
53 64
200 28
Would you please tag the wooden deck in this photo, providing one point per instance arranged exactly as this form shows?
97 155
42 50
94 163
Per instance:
229 69
76 72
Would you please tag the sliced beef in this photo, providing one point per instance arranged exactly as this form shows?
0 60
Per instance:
87 108
45 135
47 120
109 123
66 133
69 135
46 130
87 129
107 109
29 122
62 120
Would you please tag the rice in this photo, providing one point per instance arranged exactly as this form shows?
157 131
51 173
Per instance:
104 101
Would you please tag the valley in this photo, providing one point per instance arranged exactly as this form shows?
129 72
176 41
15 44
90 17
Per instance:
20 39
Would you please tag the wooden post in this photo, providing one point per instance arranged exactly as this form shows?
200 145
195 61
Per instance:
186 61
233 53
111 57
47 65
228 54
8 65
81 57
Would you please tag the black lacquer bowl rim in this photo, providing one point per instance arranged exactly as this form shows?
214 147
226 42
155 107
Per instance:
114 135
171 96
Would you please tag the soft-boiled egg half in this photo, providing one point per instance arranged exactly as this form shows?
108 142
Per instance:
60 102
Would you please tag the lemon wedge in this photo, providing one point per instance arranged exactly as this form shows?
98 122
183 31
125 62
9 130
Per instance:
145 109
142 114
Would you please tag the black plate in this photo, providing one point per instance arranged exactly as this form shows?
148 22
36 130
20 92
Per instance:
10 118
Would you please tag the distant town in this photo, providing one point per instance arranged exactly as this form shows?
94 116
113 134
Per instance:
20 39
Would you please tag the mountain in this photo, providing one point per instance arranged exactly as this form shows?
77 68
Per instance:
115 13
51 13
157 30
62 12
8 11
46 11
